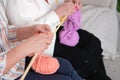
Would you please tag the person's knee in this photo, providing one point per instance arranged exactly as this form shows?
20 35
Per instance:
65 63
97 41
95 44
66 78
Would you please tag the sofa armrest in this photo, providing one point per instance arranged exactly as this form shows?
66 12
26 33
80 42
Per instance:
113 5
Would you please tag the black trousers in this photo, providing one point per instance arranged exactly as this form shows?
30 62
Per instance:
85 57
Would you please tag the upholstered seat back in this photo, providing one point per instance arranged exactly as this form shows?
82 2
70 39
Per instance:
101 3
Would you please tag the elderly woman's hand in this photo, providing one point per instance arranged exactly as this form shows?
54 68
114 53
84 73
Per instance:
35 44
67 8
38 37
78 3
74 1
28 31
41 28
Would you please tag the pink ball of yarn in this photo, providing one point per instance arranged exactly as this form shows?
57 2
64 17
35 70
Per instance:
45 64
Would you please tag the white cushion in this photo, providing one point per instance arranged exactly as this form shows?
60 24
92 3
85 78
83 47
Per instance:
100 3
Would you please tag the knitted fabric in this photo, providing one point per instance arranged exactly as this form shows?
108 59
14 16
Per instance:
69 35
45 64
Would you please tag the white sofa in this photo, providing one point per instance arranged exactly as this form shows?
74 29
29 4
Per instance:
99 17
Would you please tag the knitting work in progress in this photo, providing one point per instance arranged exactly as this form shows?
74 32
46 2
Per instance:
69 35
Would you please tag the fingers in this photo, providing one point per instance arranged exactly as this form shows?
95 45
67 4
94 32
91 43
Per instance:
76 1
42 28
35 44
45 38
45 28
78 4
44 32
81 4
68 0
69 8
41 42
65 9
73 1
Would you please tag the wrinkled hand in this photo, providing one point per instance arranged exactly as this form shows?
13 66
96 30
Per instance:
28 31
67 8
76 2
68 1
43 28
35 44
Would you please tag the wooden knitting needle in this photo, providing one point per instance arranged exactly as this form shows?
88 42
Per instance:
34 57
63 19
56 1
29 66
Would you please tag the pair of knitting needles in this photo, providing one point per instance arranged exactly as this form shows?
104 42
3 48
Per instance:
34 57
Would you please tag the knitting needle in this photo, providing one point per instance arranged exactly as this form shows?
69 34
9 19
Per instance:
28 68
63 19
56 1
34 57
